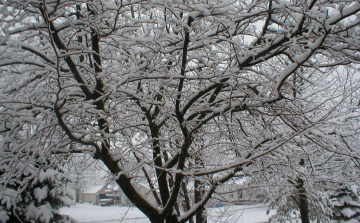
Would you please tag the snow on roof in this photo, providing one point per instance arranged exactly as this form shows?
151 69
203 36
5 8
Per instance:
143 185
93 189
72 185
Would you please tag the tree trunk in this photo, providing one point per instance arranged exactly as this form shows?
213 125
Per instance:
303 202
199 192
201 212
187 201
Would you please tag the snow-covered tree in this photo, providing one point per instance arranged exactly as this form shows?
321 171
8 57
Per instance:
296 176
288 202
172 92
346 202
32 193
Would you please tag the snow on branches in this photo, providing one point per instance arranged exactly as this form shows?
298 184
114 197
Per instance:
168 93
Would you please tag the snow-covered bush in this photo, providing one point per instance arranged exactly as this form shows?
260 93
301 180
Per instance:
346 202
35 195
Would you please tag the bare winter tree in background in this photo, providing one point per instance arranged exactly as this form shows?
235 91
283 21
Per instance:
172 93
295 176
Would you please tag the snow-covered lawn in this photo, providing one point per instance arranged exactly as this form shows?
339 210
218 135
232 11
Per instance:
87 213
94 213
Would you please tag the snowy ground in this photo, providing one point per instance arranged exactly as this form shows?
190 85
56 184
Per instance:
87 213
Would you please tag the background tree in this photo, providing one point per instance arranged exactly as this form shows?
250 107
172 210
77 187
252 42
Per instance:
163 92
315 162
84 172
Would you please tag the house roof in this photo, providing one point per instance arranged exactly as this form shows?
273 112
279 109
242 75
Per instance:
72 185
93 189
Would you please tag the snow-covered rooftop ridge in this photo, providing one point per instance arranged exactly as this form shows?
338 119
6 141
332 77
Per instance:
93 189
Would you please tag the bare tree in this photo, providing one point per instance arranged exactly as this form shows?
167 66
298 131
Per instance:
168 92
299 176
